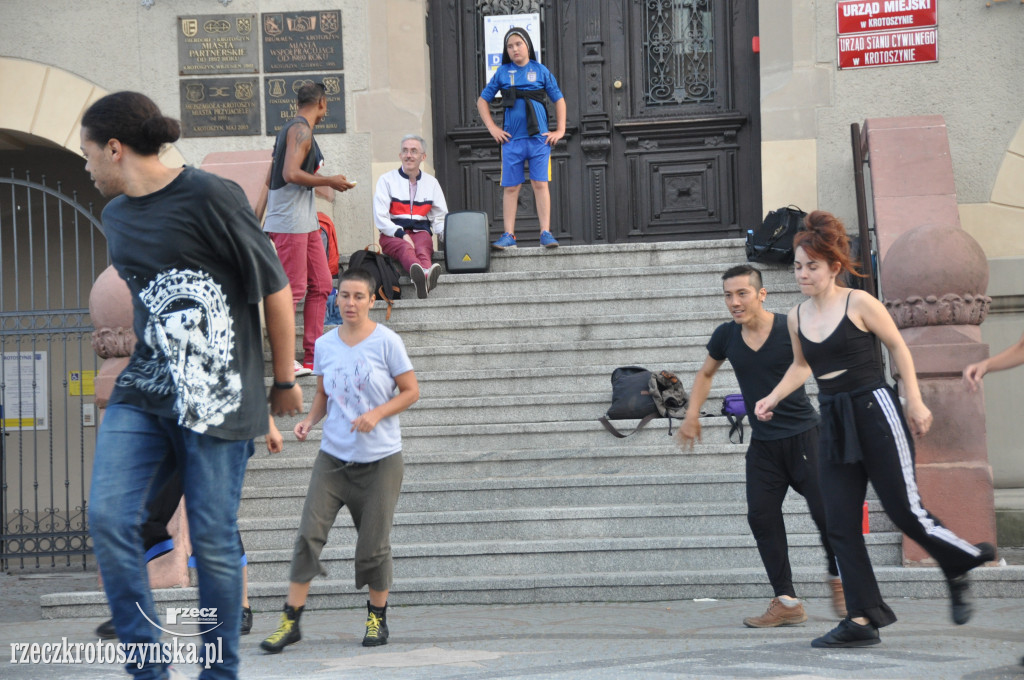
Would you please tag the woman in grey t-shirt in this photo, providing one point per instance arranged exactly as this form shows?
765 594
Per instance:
358 367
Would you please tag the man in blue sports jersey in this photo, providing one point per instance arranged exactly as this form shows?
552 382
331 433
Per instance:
524 84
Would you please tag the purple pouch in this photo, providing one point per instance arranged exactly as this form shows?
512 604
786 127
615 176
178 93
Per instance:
734 410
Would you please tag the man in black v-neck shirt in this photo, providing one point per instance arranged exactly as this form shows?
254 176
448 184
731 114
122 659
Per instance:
783 452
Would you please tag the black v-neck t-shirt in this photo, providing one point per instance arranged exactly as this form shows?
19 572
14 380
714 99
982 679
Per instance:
759 372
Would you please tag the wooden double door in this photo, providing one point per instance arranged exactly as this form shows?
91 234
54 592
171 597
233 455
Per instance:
663 135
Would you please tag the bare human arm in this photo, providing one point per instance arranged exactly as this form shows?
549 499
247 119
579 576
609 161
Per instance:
280 320
408 394
484 109
1010 357
261 203
300 141
316 412
552 137
689 432
795 376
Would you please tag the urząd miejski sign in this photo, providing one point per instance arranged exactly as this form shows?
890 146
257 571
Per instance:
886 33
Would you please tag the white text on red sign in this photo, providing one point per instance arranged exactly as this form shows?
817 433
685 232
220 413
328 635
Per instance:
889 48
864 17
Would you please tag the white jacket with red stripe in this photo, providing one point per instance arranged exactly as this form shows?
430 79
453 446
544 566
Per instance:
394 213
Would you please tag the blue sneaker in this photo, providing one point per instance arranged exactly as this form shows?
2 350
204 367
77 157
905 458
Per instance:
506 241
547 240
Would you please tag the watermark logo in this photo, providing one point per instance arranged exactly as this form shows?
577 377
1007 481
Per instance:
206 616
66 653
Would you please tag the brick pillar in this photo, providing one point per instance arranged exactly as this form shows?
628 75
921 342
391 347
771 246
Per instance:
933 281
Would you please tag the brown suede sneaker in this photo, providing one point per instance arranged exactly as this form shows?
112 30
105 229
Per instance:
778 614
838 598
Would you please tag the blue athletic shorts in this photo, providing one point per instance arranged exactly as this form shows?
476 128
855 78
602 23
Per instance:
516 151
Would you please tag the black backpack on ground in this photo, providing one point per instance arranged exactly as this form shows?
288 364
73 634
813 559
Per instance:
383 270
772 242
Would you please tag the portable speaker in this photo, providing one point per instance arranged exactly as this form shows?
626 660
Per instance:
466 246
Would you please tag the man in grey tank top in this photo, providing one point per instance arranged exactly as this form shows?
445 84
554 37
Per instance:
291 219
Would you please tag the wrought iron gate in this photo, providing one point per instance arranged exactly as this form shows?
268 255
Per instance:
51 251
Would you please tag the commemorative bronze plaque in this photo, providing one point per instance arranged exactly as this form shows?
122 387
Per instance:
220 107
301 41
218 43
281 107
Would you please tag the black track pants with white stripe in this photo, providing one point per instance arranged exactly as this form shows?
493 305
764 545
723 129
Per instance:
888 462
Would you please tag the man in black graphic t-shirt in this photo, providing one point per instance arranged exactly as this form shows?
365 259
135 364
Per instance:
192 397
783 452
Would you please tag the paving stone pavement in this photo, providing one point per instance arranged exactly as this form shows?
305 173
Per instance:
604 641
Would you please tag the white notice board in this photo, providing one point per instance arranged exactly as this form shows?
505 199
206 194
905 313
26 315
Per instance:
495 28
24 405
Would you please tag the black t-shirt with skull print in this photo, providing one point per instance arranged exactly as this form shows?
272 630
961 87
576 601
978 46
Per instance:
197 265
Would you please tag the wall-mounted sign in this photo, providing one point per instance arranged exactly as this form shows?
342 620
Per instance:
217 43
889 48
24 403
887 15
886 33
301 41
279 95
220 107
495 28
81 383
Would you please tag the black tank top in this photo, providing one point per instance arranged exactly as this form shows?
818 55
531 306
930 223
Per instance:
847 347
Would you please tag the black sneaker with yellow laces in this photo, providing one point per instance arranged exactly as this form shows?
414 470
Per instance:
287 632
376 626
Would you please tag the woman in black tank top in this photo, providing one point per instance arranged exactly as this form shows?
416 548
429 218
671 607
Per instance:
864 433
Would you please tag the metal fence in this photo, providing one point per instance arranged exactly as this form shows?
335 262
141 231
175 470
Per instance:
51 251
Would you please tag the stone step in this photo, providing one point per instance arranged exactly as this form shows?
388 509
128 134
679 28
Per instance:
562 357
522 492
664 458
530 380
512 306
569 258
525 381
529 394
525 524
630 585
582 435
430 333
567 555
584 281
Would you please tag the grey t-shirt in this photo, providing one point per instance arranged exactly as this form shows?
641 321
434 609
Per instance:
197 265
356 380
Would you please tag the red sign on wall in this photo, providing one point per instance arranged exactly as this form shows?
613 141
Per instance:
889 48
884 15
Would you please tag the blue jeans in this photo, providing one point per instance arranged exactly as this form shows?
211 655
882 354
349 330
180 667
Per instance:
135 453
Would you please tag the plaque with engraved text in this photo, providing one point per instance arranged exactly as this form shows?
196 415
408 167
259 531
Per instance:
301 41
279 96
220 107
217 43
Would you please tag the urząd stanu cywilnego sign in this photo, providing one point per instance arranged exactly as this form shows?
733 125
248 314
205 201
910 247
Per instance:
886 33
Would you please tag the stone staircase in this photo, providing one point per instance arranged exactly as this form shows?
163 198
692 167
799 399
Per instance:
514 492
